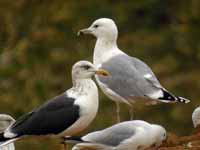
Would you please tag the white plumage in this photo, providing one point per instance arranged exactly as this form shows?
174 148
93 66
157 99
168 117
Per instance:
88 102
196 117
5 122
129 135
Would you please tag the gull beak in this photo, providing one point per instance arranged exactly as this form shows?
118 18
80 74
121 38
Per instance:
102 72
84 31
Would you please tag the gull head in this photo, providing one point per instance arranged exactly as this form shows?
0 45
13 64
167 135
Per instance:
102 28
5 121
85 69
196 117
159 133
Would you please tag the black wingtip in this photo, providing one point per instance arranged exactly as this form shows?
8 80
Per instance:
169 97
182 100
71 139
2 138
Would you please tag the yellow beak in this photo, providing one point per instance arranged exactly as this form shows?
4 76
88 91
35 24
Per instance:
102 72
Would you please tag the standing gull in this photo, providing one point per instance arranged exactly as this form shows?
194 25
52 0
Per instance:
129 135
131 78
66 114
5 122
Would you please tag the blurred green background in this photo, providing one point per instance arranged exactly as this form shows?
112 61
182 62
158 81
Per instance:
38 46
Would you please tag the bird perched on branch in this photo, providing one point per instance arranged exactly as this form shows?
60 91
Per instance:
131 78
65 114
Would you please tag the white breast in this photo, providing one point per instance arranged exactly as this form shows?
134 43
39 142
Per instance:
88 103
103 54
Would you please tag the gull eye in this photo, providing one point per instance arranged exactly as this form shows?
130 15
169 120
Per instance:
86 67
96 26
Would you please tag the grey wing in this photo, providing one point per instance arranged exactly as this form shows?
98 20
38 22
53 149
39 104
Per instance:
112 136
146 71
128 77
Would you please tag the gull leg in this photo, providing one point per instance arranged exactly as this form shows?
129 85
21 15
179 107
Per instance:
118 111
65 146
131 112
63 143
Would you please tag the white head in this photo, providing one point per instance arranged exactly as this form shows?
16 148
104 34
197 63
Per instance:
159 133
196 117
5 121
85 70
102 28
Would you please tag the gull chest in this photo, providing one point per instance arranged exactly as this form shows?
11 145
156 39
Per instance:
88 106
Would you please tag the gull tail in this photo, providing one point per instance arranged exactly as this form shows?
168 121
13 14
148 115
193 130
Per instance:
4 141
168 97
2 138
72 139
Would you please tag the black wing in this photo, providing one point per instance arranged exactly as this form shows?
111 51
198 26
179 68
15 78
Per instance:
52 117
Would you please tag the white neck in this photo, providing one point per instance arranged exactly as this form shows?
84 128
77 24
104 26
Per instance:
82 86
103 48
86 94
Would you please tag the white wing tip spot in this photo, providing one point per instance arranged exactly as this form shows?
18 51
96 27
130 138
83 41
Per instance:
147 75
9 134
